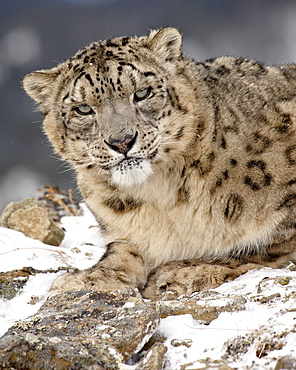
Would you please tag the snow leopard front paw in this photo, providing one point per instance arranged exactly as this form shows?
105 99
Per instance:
187 277
120 267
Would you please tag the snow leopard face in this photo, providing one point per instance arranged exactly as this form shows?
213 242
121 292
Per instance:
114 106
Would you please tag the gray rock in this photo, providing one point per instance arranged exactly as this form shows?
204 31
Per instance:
33 220
286 363
153 359
200 305
80 330
13 281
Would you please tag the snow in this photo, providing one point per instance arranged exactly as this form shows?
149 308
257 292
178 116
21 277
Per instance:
272 320
81 248
267 321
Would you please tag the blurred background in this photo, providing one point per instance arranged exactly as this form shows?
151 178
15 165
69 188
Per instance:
36 34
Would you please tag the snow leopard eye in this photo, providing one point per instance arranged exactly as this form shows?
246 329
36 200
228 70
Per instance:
142 94
84 109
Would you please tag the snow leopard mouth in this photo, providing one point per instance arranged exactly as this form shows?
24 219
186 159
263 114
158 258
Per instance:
128 163
123 164
131 171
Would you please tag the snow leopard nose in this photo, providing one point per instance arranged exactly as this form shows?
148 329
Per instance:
122 145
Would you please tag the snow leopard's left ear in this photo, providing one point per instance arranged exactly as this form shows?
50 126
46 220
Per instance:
39 86
167 43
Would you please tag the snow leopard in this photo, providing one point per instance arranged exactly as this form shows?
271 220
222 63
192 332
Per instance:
188 166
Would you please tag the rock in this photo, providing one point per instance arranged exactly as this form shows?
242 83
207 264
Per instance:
79 330
153 359
13 281
235 347
32 219
27 351
200 305
206 365
178 307
286 363
185 342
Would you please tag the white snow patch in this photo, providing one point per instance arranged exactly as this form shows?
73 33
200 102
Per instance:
129 305
102 327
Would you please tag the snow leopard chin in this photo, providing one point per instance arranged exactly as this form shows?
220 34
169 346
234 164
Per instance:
131 172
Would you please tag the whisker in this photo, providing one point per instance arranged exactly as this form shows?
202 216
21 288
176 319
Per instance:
65 170
56 157
163 139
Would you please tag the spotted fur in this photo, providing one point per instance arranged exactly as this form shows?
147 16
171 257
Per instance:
179 159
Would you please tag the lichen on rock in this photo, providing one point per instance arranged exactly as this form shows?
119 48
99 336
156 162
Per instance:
78 330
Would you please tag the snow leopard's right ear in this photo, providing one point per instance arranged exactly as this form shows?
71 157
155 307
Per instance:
39 85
